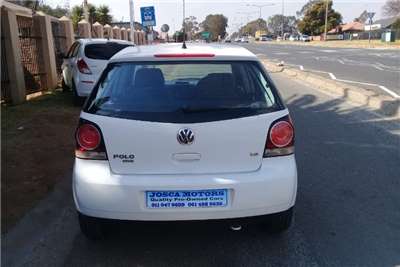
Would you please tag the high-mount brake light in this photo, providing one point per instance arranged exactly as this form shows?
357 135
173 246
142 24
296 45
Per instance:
183 55
83 67
280 139
89 143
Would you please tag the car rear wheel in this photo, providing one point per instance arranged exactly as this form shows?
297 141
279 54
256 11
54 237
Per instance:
64 86
92 228
279 222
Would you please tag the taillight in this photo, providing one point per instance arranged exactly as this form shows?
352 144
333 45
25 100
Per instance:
89 142
280 139
83 67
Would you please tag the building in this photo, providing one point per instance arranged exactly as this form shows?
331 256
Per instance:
381 24
351 27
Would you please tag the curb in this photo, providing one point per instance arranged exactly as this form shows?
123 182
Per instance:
381 104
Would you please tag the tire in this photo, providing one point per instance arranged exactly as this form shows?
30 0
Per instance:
92 228
64 86
279 222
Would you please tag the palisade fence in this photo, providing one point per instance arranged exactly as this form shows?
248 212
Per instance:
5 80
33 47
30 55
59 39
373 35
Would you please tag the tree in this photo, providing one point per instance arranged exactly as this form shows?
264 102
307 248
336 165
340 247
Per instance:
303 10
216 25
57 12
391 8
178 36
32 4
313 22
191 26
103 14
275 24
396 24
100 14
38 5
363 17
76 15
253 26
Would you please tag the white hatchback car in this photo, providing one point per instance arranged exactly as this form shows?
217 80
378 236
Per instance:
84 63
174 134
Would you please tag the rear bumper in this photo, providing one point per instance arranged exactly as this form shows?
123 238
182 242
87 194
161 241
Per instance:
84 84
100 193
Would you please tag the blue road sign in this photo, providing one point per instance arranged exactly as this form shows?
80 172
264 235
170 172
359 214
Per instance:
148 16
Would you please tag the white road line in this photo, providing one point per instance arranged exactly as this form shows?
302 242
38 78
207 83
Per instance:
341 61
363 83
329 51
390 92
333 77
376 67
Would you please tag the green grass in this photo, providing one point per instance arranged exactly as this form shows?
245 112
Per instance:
53 101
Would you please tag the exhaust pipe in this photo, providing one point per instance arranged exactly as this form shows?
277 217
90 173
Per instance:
236 227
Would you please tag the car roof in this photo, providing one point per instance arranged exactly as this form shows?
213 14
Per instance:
194 51
86 41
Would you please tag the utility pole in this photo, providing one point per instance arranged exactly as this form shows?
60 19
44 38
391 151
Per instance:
132 20
260 11
326 19
370 16
283 17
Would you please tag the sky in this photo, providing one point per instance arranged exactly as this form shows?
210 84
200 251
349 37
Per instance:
239 12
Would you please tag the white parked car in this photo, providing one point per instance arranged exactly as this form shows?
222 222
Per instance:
171 134
85 61
305 38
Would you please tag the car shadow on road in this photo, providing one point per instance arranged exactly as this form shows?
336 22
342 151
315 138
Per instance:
348 166
185 244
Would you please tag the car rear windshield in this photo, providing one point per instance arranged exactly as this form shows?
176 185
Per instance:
103 51
185 92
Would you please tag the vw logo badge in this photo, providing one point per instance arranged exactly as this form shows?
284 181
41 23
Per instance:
185 136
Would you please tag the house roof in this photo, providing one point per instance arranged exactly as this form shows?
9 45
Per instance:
386 22
353 26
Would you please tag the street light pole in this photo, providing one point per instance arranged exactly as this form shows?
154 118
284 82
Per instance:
184 26
248 16
326 19
260 11
132 20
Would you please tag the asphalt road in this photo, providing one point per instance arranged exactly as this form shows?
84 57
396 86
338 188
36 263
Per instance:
347 211
368 68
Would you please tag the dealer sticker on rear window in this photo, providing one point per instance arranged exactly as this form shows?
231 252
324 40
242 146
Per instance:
187 198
